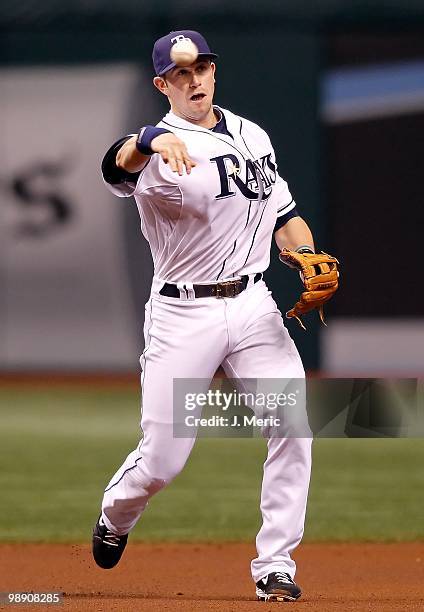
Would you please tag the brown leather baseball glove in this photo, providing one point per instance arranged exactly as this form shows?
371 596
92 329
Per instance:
319 273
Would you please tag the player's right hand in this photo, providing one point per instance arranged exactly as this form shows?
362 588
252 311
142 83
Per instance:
173 152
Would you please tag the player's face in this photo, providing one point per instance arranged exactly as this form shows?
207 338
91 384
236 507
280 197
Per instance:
190 91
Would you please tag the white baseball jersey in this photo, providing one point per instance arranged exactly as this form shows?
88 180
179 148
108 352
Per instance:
216 223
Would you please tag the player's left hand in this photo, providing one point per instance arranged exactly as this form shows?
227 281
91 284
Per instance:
320 275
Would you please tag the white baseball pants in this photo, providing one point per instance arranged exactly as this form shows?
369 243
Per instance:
191 338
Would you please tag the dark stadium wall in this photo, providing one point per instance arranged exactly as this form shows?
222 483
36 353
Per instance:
373 111
272 59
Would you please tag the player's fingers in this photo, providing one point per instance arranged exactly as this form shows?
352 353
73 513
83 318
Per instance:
180 166
178 155
189 163
173 163
164 153
175 160
170 156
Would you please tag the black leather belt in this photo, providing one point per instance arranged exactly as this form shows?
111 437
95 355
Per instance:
226 289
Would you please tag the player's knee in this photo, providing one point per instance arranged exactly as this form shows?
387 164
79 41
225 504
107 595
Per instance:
163 470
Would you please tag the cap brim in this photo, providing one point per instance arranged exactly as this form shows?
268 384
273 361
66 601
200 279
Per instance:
173 64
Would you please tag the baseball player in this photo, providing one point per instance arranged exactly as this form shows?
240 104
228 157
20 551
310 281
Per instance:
210 200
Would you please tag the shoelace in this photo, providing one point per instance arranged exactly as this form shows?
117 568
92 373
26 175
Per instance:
111 538
282 577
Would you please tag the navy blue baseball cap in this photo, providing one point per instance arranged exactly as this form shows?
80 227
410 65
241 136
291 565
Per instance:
162 48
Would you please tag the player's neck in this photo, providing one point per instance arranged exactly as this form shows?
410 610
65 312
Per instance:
209 121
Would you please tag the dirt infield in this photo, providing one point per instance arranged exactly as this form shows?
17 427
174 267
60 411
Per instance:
342 577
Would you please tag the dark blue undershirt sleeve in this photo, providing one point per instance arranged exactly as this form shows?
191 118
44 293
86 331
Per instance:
281 221
111 173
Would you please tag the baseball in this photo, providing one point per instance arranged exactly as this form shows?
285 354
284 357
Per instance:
184 52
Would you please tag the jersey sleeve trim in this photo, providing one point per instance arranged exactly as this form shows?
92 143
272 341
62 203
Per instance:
283 209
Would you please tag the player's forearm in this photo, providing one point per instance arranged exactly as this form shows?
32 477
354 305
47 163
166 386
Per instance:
294 234
129 157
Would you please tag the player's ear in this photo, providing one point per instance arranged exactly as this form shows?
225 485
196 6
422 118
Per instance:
160 84
213 67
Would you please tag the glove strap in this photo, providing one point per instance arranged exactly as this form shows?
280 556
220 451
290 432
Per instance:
321 315
145 137
298 319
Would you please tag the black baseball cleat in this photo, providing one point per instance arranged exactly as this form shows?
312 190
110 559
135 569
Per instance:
277 586
107 546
